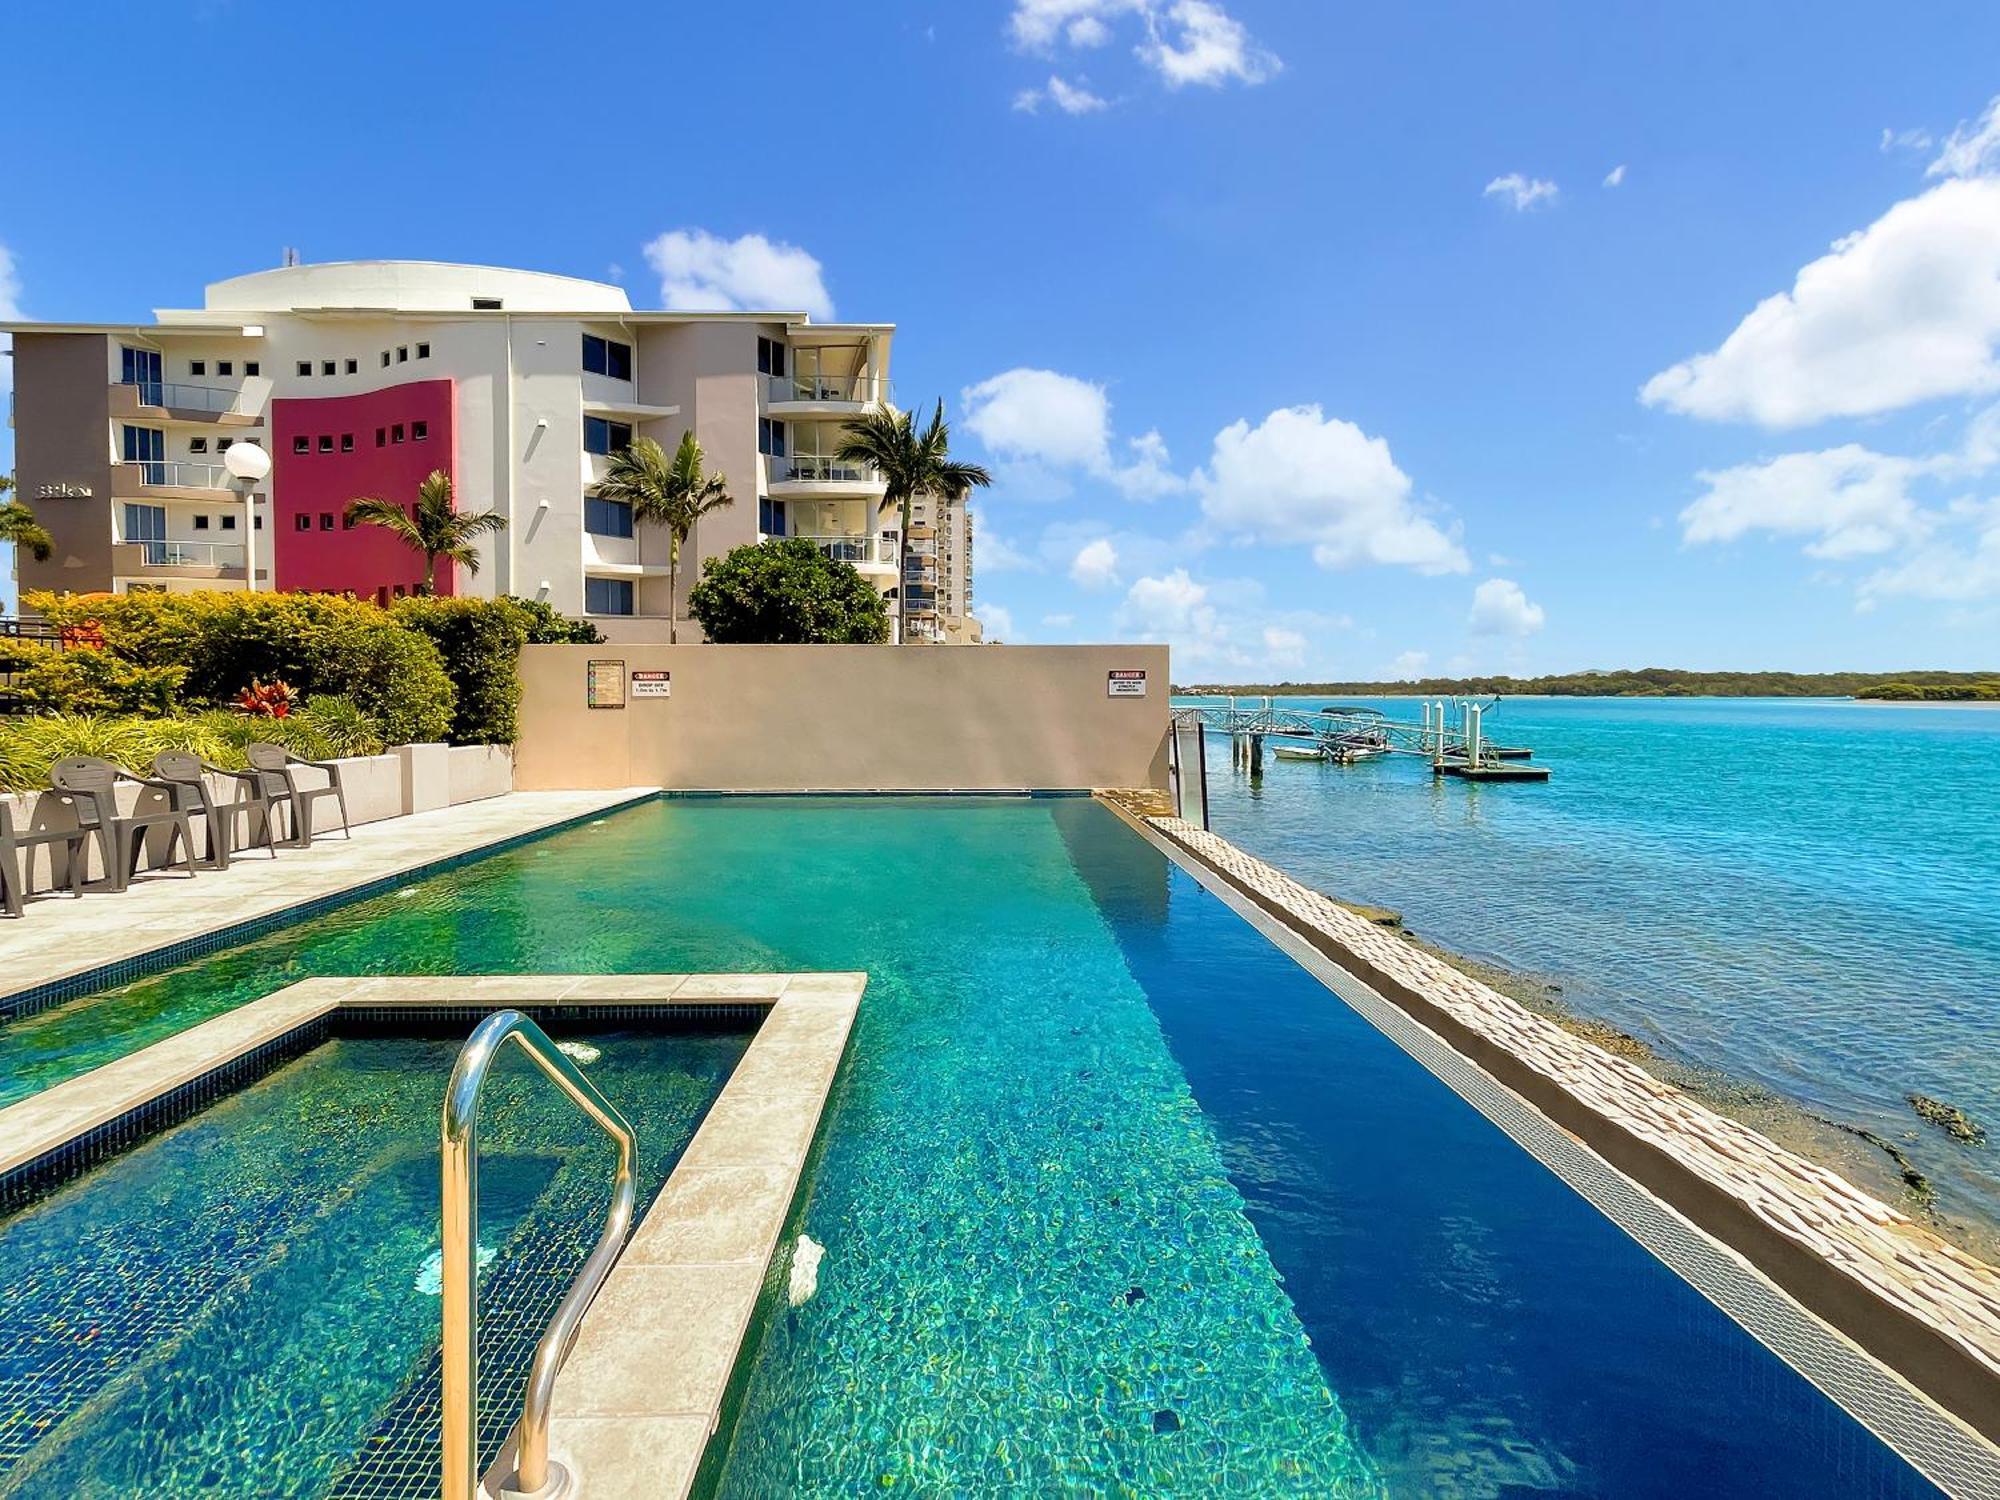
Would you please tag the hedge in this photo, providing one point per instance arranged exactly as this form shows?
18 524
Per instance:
480 641
319 644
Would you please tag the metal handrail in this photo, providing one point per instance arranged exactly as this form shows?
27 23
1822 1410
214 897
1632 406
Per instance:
824 468
807 386
228 400
534 1474
177 471
165 554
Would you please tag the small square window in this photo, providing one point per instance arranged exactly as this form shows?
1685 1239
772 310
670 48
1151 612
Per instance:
257 524
402 354
225 367
353 366
229 522
423 351
419 431
347 442
305 368
381 436
486 304
326 520
197 445
326 442
385 359
197 367
326 367
302 444
346 521
302 522
396 433
201 523
252 367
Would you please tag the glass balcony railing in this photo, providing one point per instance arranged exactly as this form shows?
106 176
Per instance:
854 548
802 386
191 554
165 393
821 469
177 472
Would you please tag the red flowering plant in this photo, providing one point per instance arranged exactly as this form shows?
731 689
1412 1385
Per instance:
89 634
266 700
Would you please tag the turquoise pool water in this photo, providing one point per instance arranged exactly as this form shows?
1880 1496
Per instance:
247 1304
1802 893
1116 1198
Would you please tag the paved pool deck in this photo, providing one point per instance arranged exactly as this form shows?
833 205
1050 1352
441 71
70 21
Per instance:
64 938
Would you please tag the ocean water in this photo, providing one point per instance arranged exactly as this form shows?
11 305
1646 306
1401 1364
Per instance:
1803 893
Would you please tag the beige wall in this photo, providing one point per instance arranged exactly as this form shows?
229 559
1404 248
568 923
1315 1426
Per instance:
843 717
62 416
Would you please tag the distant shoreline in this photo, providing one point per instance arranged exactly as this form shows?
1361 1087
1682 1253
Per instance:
1907 686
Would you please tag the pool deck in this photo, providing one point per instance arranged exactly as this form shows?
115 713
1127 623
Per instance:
61 938
1920 1305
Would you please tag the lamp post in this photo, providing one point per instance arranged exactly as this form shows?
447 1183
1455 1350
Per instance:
248 465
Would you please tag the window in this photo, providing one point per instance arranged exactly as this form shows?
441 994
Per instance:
400 591
419 431
770 357
198 445
201 523
771 437
197 367
326 367
382 596
603 437
346 521
305 368
353 366
326 442
607 596
347 442
145 523
381 436
225 367
606 357
302 444
606 517
385 359
302 522
486 304
396 433
326 520
770 516
256 523
423 351
402 354
252 367
229 521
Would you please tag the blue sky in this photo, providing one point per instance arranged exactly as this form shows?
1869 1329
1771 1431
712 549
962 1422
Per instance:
1320 339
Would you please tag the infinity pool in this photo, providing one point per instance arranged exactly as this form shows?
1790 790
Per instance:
1117 1197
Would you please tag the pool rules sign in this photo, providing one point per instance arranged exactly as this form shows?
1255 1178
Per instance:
1124 684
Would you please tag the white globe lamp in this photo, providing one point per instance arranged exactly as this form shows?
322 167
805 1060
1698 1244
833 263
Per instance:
248 465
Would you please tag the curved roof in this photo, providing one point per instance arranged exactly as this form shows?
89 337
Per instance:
410 286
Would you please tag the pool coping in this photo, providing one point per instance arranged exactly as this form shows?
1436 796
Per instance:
56 973
642 1391
1904 1328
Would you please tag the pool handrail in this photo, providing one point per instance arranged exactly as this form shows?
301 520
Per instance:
534 1473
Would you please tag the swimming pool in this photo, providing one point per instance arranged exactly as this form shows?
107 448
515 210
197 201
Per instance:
1118 1196
246 1305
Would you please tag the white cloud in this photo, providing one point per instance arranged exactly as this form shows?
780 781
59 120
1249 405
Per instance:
1300 477
996 621
1500 608
701 272
1906 310
1523 193
1037 23
10 309
1056 421
1070 98
1409 665
1095 565
1284 646
1616 176
1972 149
996 554
1952 570
1059 621
1221 628
1087 31
1849 501
1906 140
1197 41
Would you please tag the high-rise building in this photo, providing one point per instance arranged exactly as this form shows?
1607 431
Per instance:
361 378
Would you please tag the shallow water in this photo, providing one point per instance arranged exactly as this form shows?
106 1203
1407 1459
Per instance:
1801 892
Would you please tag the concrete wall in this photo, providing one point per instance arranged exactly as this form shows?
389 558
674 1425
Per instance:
477 772
846 717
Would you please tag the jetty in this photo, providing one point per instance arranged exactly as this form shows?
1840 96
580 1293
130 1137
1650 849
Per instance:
1451 735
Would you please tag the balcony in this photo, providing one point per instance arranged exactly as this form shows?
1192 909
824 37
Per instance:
199 560
162 402
170 479
805 394
863 551
805 475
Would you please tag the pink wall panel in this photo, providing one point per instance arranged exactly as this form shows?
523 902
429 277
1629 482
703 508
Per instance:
318 485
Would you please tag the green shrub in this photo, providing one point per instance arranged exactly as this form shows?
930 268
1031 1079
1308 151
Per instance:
317 644
786 592
480 641
83 680
549 627
30 745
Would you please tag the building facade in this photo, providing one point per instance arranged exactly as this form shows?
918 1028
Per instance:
361 378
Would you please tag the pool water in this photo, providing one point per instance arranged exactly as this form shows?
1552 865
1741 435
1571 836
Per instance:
1116 1197
247 1304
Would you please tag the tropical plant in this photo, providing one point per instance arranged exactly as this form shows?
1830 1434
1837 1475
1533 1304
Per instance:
914 462
265 700
671 492
786 591
480 641
19 526
547 626
86 681
436 528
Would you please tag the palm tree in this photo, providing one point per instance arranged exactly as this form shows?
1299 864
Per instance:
914 463
436 528
19 526
671 492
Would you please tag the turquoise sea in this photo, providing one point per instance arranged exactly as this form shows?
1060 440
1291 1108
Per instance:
1801 893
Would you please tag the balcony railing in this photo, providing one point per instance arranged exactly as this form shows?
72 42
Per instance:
819 468
177 473
854 548
166 393
190 554
801 386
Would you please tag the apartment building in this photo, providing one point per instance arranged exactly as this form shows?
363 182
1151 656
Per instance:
938 582
361 378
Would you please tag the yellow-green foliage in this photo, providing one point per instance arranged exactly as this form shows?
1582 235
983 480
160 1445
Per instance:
82 680
325 728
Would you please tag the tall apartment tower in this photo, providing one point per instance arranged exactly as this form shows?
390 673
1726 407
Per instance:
361 378
938 587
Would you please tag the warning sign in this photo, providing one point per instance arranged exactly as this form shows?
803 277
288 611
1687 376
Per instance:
652 684
604 684
1125 684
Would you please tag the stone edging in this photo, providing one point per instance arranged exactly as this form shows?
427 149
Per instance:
1922 1306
